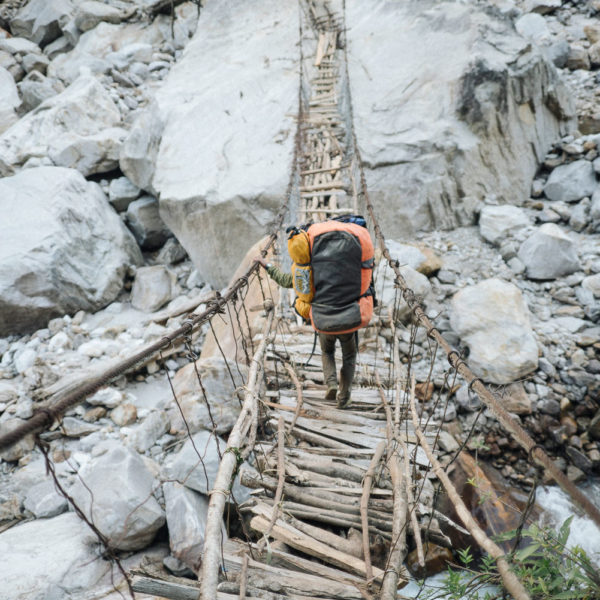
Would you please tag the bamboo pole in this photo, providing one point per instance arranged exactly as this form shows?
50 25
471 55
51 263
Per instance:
389 586
509 579
227 468
364 507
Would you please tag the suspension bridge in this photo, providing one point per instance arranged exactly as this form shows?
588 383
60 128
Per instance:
340 496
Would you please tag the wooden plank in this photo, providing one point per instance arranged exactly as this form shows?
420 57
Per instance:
174 591
305 543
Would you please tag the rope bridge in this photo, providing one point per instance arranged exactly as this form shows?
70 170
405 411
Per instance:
353 488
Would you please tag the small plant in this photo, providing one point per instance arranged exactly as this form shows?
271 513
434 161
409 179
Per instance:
546 567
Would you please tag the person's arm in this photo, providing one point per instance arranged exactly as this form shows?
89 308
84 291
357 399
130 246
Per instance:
285 280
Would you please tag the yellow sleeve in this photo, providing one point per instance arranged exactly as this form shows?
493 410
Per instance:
302 308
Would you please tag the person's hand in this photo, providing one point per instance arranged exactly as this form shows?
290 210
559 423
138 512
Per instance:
261 261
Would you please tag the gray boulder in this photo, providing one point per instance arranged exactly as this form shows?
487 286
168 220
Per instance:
496 223
118 496
140 148
64 249
152 288
221 85
186 519
49 559
571 182
492 318
549 253
196 465
39 20
144 220
77 129
465 114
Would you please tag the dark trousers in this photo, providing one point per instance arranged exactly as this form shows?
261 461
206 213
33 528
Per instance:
348 343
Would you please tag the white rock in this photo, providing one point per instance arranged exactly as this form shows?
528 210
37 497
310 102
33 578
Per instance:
93 348
549 253
592 283
39 20
406 254
197 468
91 13
152 288
186 519
220 393
24 360
223 84
93 46
35 88
35 62
18 45
462 115
140 149
120 498
137 52
492 318
496 223
49 559
60 341
533 27
56 223
121 193
108 397
389 296
43 501
571 182
77 128
155 425
9 100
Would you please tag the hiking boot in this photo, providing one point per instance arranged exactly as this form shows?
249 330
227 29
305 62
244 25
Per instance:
331 392
343 401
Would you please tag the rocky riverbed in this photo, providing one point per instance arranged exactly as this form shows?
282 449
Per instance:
114 221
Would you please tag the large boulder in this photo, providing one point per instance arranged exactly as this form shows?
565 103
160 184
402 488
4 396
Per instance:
217 195
47 559
492 319
549 253
63 248
116 490
468 112
77 129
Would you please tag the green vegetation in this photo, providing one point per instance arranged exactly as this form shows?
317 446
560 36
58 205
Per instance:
547 568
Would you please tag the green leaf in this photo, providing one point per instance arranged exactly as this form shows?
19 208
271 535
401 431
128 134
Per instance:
563 534
521 555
